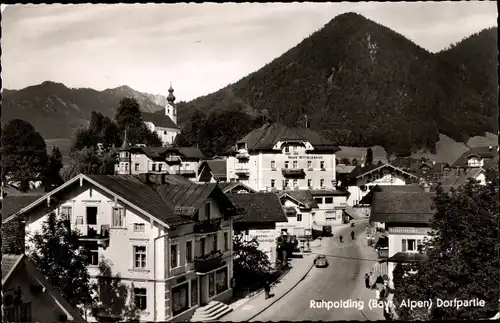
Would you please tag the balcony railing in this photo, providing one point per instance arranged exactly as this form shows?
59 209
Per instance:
172 160
97 233
243 156
207 226
383 253
242 171
293 172
187 172
208 262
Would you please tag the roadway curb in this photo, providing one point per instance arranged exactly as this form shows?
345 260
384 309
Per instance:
284 294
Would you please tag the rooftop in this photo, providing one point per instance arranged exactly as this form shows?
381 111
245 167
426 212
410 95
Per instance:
402 207
268 135
13 203
159 120
259 207
483 152
303 197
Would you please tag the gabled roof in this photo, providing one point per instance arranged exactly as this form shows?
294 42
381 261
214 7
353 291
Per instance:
218 168
12 203
402 207
363 171
268 135
186 152
454 179
161 202
344 169
159 120
229 186
259 207
303 198
10 263
483 152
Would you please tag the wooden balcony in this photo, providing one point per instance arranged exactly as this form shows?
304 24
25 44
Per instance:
172 160
97 233
204 227
293 172
242 156
208 262
242 172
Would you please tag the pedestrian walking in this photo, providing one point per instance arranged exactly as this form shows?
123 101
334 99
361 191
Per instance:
367 280
267 289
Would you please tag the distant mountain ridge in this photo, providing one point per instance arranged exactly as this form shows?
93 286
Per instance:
56 110
362 84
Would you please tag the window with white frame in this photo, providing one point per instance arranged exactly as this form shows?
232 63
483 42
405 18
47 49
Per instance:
410 244
294 149
91 215
159 167
118 216
294 164
136 167
66 212
287 149
287 163
299 217
328 200
322 164
141 298
139 257
273 183
318 200
309 183
309 164
79 220
273 164
322 182
174 255
153 167
287 183
139 227
295 183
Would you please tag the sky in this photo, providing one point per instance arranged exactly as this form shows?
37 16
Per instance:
200 48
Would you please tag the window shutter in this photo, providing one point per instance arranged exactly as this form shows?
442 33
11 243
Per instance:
403 245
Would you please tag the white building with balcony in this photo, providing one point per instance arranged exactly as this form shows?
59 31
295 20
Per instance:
169 238
406 218
277 157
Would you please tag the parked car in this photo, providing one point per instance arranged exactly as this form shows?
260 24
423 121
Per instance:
320 262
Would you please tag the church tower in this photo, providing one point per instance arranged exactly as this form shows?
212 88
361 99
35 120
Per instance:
171 109
124 159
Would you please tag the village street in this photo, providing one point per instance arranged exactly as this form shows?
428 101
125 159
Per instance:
342 280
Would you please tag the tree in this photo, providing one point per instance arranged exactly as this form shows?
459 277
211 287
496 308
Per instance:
345 161
52 177
24 153
250 264
369 156
462 254
88 161
112 296
354 162
128 114
58 254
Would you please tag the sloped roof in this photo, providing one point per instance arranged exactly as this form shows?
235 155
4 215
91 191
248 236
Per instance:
228 186
454 179
269 134
159 120
259 207
344 169
368 198
151 152
483 152
365 170
13 203
9 262
161 201
187 152
402 207
303 197
218 168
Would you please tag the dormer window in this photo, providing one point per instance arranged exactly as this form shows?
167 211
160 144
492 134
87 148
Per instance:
287 149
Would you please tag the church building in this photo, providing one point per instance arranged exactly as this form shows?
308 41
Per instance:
164 125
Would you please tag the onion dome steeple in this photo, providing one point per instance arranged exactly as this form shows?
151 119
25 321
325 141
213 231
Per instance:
171 97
